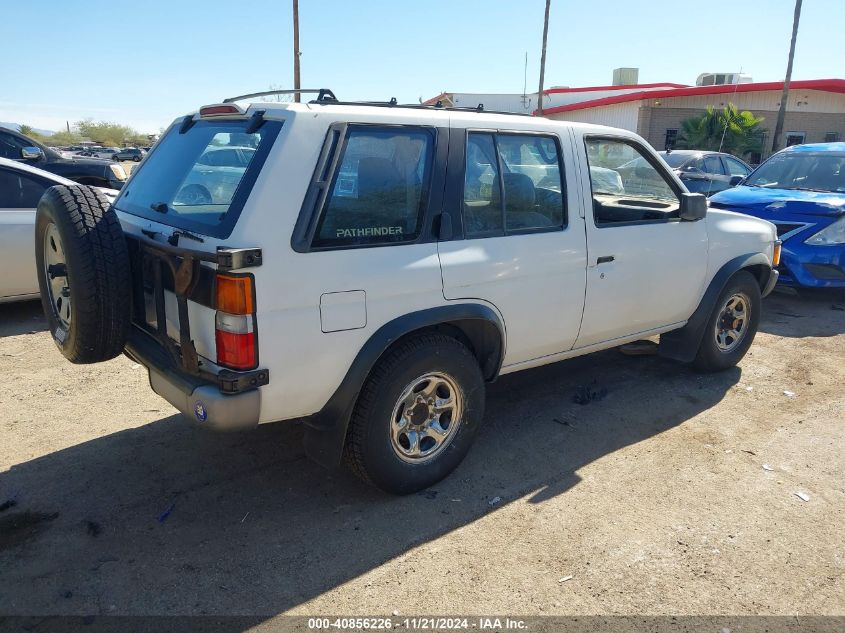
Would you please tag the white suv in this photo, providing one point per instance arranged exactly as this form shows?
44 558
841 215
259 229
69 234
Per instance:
369 267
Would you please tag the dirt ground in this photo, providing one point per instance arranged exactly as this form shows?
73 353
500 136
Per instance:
674 494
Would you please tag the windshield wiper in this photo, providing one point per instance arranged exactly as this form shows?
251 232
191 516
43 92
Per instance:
160 207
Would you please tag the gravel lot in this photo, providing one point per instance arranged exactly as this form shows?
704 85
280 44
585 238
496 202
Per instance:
676 493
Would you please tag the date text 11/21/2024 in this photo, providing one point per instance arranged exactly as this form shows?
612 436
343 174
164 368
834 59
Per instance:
420 623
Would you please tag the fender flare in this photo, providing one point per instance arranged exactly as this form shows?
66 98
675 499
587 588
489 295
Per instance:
325 431
682 344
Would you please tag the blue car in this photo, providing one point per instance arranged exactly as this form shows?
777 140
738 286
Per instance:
801 190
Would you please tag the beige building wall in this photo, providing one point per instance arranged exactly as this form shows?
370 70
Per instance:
812 112
622 115
815 125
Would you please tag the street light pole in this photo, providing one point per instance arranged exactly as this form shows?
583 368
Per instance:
543 60
296 49
787 79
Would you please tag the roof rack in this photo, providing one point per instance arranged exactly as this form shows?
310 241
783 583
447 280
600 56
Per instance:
323 94
393 103
327 97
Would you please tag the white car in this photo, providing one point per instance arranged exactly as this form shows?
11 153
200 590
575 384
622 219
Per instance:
21 187
375 266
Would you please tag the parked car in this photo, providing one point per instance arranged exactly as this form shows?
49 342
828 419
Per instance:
706 172
215 176
105 152
88 171
21 187
394 259
701 171
129 153
801 190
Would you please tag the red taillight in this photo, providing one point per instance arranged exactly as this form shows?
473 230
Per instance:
236 351
235 322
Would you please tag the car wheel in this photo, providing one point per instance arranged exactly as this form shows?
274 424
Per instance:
83 273
732 325
136 159
417 414
193 194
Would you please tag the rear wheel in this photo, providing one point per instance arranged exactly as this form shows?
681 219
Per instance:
83 273
417 414
732 325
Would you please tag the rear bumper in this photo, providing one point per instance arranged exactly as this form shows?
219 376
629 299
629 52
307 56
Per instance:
196 399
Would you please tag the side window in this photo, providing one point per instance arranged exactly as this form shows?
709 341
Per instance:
483 213
379 190
533 182
735 168
712 165
11 146
626 186
512 183
20 191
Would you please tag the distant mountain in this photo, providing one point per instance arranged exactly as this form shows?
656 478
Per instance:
17 128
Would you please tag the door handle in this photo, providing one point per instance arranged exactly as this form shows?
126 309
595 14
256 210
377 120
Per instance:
605 259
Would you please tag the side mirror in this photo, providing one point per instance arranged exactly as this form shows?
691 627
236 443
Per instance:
31 153
693 207
735 180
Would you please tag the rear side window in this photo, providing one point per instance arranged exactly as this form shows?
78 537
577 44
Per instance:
20 191
200 179
379 189
513 183
712 165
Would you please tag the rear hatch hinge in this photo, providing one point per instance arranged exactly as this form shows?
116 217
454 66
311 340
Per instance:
234 258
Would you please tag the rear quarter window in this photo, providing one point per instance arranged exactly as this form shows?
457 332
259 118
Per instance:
379 190
199 180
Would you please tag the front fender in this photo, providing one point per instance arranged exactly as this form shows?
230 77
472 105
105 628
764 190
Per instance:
682 344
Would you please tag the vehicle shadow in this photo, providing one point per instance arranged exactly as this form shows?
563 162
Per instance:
806 313
166 519
21 317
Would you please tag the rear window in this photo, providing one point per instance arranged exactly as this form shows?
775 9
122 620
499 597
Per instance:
200 180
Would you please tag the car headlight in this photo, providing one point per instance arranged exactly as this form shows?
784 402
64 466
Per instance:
118 171
830 235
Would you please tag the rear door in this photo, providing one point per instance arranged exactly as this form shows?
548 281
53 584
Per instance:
518 239
646 268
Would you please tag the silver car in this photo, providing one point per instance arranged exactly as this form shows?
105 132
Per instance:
21 187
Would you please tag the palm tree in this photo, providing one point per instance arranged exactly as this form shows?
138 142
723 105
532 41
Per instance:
728 130
26 130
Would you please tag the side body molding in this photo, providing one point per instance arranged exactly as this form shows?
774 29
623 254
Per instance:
479 325
682 344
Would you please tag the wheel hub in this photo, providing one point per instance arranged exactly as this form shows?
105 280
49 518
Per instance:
426 417
732 324
55 272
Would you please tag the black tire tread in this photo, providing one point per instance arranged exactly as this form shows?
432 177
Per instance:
356 437
100 272
707 360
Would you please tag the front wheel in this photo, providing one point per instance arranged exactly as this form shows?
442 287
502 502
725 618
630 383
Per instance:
732 325
417 414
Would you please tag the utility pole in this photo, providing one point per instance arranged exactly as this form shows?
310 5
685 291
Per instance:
785 96
543 60
296 49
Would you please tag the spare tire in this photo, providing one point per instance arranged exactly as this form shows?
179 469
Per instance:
83 273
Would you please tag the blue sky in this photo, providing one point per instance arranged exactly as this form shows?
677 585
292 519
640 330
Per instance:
145 62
